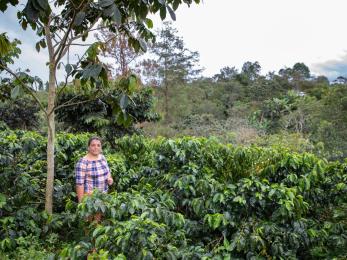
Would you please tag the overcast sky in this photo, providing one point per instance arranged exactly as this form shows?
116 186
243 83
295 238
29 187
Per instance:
276 33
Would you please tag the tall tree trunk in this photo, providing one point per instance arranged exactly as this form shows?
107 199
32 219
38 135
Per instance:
166 91
50 141
50 123
166 102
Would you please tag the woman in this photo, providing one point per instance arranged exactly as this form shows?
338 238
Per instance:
92 171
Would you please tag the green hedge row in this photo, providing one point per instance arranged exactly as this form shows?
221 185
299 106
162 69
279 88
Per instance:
188 198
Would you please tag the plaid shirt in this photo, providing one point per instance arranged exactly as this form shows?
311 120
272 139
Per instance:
92 174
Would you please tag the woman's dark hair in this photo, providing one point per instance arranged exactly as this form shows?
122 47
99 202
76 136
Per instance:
94 138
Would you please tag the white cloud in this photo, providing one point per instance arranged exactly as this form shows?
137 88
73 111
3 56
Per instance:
332 68
276 33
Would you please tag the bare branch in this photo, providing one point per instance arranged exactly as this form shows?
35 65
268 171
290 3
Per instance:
56 42
63 87
72 3
66 45
59 52
80 44
62 49
67 76
68 103
110 39
98 28
73 104
58 36
80 5
49 42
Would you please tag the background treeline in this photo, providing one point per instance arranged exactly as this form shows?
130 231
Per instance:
289 108
309 114
306 115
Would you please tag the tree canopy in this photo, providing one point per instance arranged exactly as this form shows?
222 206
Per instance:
61 24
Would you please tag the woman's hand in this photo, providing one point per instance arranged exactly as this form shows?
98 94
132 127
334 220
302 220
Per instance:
80 192
109 181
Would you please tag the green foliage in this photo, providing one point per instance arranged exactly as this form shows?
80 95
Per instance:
175 64
8 50
20 113
320 117
249 73
188 198
73 22
226 74
300 72
292 141
105 114
3 4
296 76
276 107
29 247
80 18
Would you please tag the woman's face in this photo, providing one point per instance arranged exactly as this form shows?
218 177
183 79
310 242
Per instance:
95 147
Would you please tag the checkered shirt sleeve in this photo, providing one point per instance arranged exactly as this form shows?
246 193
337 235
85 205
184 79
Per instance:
80 172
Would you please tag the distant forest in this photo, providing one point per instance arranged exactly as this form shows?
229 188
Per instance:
290 108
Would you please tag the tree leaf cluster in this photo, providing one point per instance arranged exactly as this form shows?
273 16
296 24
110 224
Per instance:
8 50
113 113
20 114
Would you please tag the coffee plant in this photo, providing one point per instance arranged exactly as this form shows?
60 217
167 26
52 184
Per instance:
187 198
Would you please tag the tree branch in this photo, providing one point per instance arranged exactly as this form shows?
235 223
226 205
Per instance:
63 52
59 52
68 103
63 87
98 28
49 43
67 76
80 44
62 49
25 86
73 104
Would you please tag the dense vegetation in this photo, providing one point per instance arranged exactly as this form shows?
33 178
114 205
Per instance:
264 177
187 198
101 115
306 116
245 188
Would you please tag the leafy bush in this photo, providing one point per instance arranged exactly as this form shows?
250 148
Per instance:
187 198
20 113
100 114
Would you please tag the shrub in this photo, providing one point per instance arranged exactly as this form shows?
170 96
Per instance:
186 198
